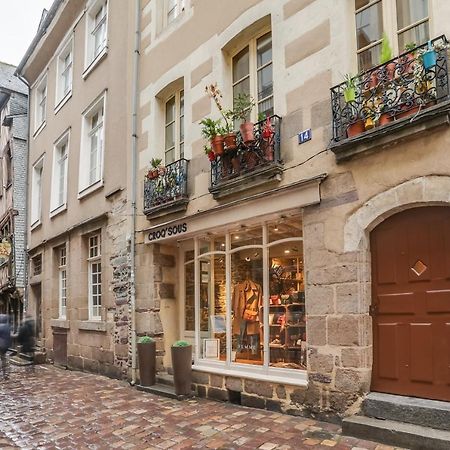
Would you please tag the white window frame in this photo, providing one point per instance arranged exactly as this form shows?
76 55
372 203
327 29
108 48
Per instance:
172 10
60 172
36 192
92 55
62 281
251 44
94 260
178 148
64 71
390 25
40 98
86 183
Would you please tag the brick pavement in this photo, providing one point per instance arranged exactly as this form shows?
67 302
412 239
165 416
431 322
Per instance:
56 409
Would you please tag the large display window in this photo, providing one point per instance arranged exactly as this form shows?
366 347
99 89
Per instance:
244 305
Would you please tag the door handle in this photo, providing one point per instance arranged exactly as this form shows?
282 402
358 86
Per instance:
373 310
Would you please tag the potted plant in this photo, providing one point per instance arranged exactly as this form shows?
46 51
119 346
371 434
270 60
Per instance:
146 348
429 57
212 130
386 55
182 367
409 58
243 104
209 153
267 133
155 164
349 88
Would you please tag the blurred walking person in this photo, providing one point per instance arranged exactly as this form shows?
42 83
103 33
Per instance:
26 338
5 342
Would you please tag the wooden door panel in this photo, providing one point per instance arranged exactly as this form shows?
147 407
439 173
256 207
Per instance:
418 252
421 364
438 301
401 303
388 337
386 267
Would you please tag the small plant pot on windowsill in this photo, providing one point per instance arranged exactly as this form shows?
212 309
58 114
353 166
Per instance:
355 128
182 367
230 141
349 94
248 135
217 145
146 348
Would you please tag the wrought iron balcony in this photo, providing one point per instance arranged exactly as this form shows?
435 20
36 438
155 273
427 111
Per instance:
249 164
167 192
402 87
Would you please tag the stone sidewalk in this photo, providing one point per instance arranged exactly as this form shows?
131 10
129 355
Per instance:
57 409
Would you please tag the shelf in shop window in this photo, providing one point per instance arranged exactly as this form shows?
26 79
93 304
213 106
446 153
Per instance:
300 325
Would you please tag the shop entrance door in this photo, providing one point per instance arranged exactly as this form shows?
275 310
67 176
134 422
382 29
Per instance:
411 304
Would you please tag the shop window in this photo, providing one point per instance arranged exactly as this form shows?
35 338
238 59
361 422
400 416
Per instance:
253 74
244 296
405 22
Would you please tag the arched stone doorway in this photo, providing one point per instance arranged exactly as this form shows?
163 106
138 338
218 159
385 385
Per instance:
410 308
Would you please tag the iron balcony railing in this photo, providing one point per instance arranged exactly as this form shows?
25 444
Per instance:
401 87
247 158
168 187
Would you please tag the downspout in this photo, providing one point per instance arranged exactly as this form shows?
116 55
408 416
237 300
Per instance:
134 138
27 183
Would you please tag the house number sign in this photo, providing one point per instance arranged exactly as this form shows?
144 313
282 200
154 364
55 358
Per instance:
304 136
165 232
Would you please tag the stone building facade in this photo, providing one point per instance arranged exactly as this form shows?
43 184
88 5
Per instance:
13 144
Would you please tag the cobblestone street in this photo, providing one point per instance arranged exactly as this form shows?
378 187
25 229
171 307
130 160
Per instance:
57 409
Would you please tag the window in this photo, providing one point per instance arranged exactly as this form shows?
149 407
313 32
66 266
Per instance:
245 297
37 264
174 128
95 277
97 30
173 9
252 73
36 192
8 161
41 102
375 16
65 63
91 157
59 177
62 277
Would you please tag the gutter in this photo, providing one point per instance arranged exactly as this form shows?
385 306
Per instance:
42 30
134 139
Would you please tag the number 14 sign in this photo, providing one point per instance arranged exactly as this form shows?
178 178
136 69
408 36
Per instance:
304 136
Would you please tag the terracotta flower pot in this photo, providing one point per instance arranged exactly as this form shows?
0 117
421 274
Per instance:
384 119
409 112
373 80
147 363
230 141
390 70
211 156
217 145
182 369
355 128
248 135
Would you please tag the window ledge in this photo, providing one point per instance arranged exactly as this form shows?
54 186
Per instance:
274 375
39 129
90 189
92 325
94 63
58 210
35 224
60 323
63 101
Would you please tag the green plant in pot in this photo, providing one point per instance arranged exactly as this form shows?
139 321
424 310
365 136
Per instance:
146 348
155 165
243 105
349 88
386 55
182 367
213 131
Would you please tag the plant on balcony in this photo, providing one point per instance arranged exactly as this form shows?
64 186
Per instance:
213 130
209 153
349 88
386 55
243 105
267 133
155 169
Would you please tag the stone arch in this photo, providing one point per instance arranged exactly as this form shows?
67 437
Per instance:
422 191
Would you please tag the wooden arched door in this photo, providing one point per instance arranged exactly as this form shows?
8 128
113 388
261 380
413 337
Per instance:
411 303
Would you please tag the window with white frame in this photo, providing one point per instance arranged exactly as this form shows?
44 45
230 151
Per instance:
64 68
405 22
173 9
92 149
97 29
41 102
252 74
174 128
36 191
62 278
95 277
59 177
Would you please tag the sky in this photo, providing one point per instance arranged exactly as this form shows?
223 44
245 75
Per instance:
19 20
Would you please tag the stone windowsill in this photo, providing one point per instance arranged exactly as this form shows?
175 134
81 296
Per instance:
167 208
92 325
60 323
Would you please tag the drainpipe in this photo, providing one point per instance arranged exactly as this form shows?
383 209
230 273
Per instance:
134 138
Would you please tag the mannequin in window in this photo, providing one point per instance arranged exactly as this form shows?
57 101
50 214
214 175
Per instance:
247 301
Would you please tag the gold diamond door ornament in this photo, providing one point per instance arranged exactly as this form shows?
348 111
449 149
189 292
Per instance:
419 268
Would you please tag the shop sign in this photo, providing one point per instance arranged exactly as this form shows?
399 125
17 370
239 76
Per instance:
5 251
167 232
